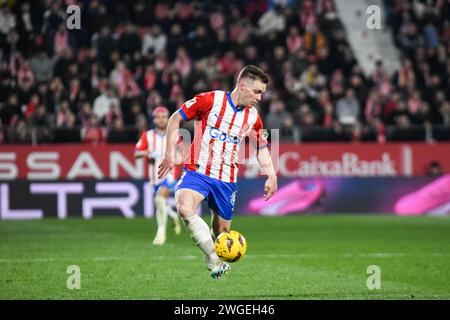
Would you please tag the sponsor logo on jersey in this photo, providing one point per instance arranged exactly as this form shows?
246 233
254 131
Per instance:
222 136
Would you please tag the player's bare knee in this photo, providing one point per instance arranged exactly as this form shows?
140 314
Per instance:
163 192
185 211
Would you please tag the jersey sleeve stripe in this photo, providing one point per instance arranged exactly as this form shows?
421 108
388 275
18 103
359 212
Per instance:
183 115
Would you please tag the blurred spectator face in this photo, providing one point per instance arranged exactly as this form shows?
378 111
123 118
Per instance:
407 63
420 54
118 124
445 108
12 100
301 55
54 7
73 69
86 108
349 94
25 7
356 81
175 29
279 53
102 10
304 109
130 28
181 52
293 31
141 122
435 81
135 109
439 96
43 89
424 67
156 30
34 99
302 95
415 95
308 118
403 121
104 32
323 53
40 110
277 106
115 109
93 121
200 31
401 105
288 122
328 108
250 52
411 29
424 108
324 95
70 120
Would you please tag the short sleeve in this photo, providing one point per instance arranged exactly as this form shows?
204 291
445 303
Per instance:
258 135
142 144
201 103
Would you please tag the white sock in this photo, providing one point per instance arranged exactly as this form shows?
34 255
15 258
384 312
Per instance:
161 213
172 213
200 233
213 236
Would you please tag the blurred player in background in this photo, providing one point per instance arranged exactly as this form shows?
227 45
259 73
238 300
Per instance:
226 118
152 145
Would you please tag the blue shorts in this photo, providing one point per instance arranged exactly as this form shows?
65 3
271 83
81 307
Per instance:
168 183
221 196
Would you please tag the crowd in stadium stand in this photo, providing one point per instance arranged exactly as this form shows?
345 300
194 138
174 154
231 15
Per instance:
101 82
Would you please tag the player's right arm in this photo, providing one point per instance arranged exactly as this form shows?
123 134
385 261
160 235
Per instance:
190 110
172 137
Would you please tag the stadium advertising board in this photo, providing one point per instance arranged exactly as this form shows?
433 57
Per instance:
130 198
75 162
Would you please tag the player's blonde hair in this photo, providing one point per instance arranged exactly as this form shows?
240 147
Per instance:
254 73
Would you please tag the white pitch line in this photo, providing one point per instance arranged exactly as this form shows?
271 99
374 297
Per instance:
257 256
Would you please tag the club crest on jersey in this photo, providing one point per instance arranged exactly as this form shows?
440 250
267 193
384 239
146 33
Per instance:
244 129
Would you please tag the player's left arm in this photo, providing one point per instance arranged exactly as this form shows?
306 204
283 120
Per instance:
258 138
266 164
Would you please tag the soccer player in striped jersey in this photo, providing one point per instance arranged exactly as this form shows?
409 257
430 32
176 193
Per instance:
152 145
210 173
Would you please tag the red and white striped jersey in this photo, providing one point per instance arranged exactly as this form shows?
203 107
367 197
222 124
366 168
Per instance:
155 143
218 135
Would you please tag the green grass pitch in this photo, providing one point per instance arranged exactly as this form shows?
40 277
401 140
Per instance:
295 257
